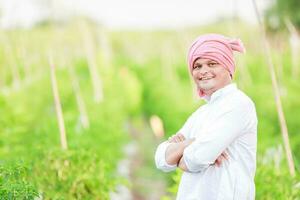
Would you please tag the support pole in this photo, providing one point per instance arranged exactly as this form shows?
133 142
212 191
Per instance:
279 108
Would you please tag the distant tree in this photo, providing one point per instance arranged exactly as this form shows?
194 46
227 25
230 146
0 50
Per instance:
280 9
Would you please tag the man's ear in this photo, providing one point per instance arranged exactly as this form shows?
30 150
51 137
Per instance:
230 75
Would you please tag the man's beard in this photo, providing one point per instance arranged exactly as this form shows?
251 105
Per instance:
206 85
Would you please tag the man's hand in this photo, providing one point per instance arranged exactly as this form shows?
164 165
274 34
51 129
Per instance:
175 149
188 142
218 162
181 164
176 138
221 158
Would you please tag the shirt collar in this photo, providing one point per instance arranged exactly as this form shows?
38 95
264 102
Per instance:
221 92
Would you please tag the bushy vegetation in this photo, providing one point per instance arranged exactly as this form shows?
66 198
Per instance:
33 163
146 74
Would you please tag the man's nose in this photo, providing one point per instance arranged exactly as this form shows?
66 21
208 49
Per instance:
204 69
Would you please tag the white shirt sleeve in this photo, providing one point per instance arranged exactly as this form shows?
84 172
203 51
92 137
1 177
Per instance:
160 158
160 154
230 124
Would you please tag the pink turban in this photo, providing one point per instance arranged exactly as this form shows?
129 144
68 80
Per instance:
215 47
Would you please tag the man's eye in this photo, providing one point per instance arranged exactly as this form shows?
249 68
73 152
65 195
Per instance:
212 64
197 66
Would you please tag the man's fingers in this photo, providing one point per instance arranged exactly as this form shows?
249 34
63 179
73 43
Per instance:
225 155
176 138
218 161
182 138
179 137
221 158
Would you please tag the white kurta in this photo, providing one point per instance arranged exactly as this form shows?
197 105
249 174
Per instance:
227 122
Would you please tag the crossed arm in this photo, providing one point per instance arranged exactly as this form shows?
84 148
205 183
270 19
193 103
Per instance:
209 149
174 152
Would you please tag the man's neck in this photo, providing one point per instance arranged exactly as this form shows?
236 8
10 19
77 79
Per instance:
210 92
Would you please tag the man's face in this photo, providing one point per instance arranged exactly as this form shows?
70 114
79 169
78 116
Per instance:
209 75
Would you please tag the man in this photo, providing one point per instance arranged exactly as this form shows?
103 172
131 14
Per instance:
216 147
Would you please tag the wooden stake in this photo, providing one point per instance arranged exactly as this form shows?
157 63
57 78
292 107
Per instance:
281 117
105 48
157 126
59 113
295 47
90 54
79 100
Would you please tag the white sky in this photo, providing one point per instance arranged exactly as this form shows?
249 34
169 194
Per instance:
141 14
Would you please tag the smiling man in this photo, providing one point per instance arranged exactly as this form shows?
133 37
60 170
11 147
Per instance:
216 147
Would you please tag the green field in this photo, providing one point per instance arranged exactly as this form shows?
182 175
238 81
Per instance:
137 74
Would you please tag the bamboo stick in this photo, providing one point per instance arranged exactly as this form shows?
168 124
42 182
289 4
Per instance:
105 48
59 113
295 47
90 54
279 108
280 64
157 126
84 119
